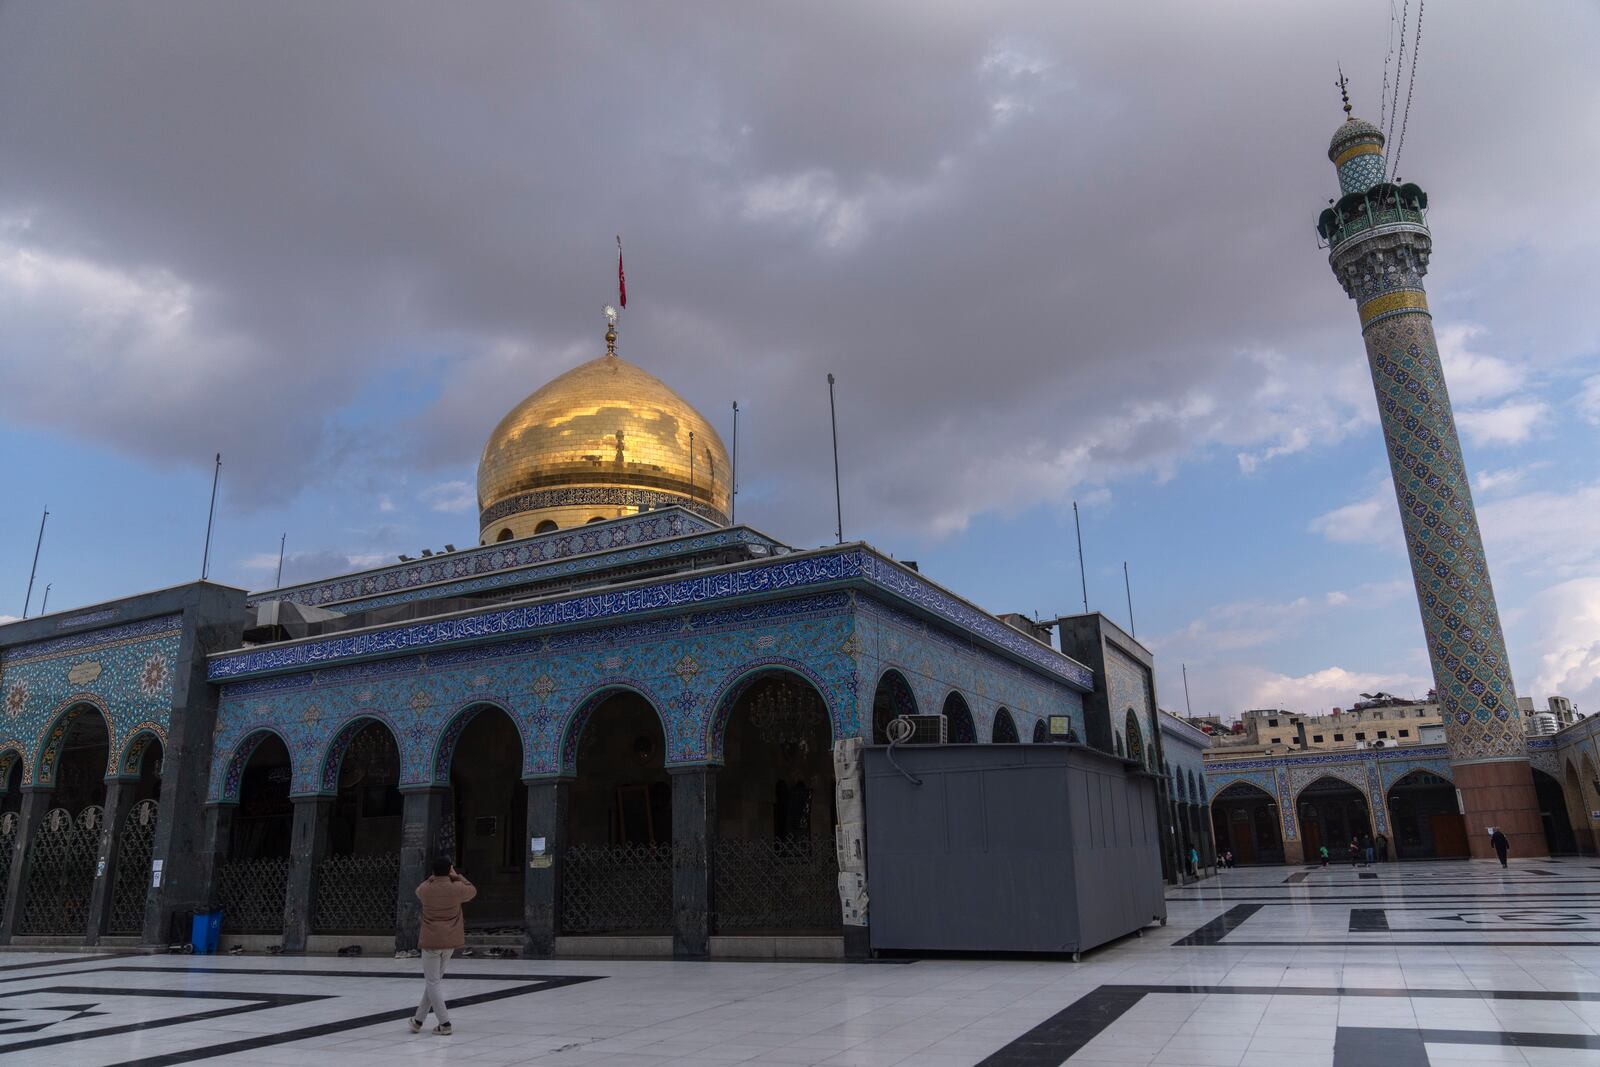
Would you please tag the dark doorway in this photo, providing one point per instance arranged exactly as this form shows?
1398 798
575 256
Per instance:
490 805
618 874
66 844
253 880
357 885
1425 818
1004 731
774 867
1558 835
1245 819
1331 813
135 846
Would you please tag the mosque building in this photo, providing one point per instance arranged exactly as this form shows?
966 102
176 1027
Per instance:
618 713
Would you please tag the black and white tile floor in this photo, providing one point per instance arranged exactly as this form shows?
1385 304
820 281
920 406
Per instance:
1424 964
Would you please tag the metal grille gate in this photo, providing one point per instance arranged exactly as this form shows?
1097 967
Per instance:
252 894
357 894
780 885
616 889
132 888
56 900
8 838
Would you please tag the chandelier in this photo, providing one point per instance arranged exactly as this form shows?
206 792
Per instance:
784 713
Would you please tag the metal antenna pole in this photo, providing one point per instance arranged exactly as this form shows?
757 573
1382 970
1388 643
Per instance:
35 572
211 518
1083 577
838 500
282 541
1133 628
44 605
734 517
1188 707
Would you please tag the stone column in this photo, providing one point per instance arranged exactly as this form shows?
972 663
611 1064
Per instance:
694 833
421 841
216 838
308 847
119 799
1166 827
548 802
35 803
1380 247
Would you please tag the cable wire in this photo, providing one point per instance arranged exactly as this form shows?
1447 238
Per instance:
1388 57
1394 106
1416 48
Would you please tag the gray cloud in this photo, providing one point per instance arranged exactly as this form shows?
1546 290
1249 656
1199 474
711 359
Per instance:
1041 246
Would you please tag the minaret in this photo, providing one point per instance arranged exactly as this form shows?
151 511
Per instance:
1378 247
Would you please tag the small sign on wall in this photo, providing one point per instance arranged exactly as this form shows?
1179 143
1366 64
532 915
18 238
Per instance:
155 875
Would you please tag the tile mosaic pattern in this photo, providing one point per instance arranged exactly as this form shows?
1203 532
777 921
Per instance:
1459 615
124 671
493 560
1128 688
684 665
935 661
791 574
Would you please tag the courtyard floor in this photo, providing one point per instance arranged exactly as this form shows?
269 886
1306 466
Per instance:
1397 965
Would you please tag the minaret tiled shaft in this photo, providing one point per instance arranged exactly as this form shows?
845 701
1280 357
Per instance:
1379 249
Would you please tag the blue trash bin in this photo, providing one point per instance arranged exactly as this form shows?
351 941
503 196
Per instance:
206 932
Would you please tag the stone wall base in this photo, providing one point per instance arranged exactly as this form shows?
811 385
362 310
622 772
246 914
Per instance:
1501 794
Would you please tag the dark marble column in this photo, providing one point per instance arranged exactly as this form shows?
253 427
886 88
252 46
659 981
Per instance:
421 842
35 802
694 832
307 849
119 799
216 838
548 802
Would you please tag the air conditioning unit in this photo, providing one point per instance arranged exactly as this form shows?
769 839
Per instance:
923 730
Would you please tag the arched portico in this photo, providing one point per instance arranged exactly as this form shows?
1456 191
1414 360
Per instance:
1245 820
1332 812
1004 730
1425 817
1578 810
58 878
357 880
1134 736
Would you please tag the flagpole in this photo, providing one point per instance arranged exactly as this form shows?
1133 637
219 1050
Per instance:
211 518
1083 577
284 540
35 572
44 605
1133 629
734 517
838 500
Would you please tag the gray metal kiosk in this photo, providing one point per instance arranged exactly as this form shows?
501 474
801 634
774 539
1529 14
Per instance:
1009 848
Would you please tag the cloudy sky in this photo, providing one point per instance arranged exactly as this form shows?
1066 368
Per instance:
1053 252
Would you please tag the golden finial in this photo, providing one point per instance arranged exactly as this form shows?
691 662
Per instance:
1344 93
611 330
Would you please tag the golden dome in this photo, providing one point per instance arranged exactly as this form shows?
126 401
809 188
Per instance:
601 441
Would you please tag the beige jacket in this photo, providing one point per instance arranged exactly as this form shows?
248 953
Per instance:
442 897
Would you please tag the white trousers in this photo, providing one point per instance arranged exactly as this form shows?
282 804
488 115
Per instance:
433 961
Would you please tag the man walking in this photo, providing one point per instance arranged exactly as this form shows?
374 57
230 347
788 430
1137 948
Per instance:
1500 843
443 931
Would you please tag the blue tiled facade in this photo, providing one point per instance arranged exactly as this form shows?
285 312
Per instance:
124 671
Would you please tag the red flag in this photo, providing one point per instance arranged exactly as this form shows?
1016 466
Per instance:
622 279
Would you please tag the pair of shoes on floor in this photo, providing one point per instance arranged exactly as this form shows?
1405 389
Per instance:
350 950
274 950
500 952
408 954
236 950
442 1030
467 953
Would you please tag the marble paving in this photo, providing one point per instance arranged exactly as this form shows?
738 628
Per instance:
1396 965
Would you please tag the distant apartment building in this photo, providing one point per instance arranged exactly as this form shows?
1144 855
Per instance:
1378 720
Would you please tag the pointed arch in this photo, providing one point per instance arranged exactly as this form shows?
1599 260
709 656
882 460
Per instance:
333 754
11 754
1041 732
1004 729
1135 736
584 707
739 683
126 763
444 748
241 759
891 697
54 736
959 728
